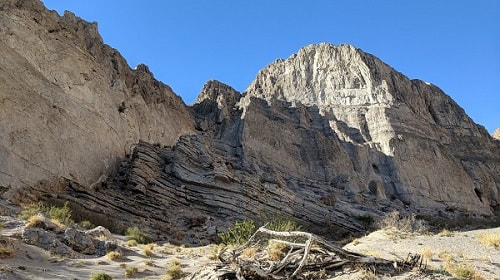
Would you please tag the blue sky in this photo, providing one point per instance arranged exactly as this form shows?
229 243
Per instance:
452 44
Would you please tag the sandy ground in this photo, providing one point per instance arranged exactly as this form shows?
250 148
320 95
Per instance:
463 247
31 262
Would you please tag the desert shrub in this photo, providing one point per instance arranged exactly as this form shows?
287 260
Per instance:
1 226
131 243
239 233
462 271
134 233
278 224
35 220
32 210
113 255
131 271
248 253
100 276
445 233
62 214
490 239
276 250
174 271
408 223
427 254
148 252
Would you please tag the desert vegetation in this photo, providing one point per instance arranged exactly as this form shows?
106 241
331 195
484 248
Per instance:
100 276
490 239
241 231
134 233
60 216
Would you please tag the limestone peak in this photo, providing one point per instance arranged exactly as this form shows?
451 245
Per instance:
496 134
325 74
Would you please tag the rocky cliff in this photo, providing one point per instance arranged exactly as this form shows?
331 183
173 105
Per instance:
71 106
325 137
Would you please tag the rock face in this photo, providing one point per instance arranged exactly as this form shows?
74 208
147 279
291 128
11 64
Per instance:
418 142
71 106
325 137
496 134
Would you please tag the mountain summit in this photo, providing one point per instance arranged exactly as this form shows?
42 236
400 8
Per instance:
327 137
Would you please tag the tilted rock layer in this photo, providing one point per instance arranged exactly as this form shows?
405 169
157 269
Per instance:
325 137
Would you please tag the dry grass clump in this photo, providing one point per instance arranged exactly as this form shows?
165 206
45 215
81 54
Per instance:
131 243
249 253
490 239
102 237
445 233
462 271
35 220
395 221
131 271
276 250
174 271
147 252
149 263
113 255
100 276
427 254
445 256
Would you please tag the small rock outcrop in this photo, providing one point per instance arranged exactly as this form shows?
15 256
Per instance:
71 242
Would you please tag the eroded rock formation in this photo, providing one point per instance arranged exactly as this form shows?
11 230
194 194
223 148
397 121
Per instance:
71 106
325 137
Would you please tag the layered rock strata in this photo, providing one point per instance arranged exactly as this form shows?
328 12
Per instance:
327 137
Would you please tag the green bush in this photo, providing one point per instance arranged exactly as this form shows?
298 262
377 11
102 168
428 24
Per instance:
32 210
278 224
134 233
239 233
63 214
100 276
1 225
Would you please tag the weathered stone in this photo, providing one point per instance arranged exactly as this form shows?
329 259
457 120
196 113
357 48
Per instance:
48 241
71 106
99 232
79 241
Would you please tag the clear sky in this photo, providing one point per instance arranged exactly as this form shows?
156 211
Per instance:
452 44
